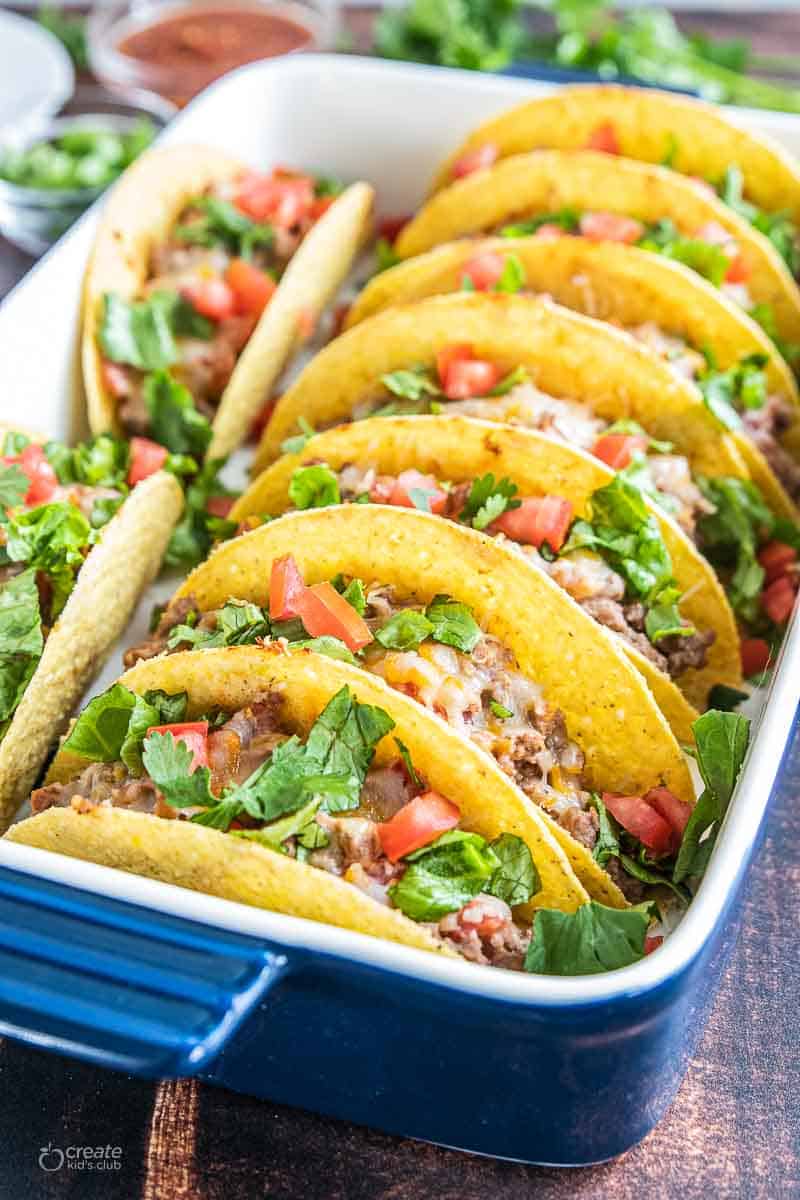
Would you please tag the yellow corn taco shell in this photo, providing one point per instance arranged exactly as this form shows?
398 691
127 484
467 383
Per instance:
567 355
140 213
462 448
109 584
205 860
608 708
620 284
525 185
695 138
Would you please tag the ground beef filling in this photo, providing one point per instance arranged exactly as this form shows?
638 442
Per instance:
467 690
483 931
765 426
575 424
593 584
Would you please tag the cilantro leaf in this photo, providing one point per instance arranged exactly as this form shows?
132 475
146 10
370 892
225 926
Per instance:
487 500
513 277
215 222
292 825
174 420
411 384
445 875
14 484
297 443
139 333
314 487
721 739
100 730
590 940
623 531
567 219
731 535
740 388
21 639
168 762
453 624
607 844
516 879
411 770
197 529
406 630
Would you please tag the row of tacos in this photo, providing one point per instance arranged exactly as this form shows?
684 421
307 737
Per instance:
513 540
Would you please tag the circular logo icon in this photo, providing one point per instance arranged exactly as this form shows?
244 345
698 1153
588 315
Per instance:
51 1158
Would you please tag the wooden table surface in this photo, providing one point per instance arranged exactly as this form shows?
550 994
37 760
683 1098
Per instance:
733 1131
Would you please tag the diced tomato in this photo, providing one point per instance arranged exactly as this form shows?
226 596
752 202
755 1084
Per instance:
416 824
755 656
389 227
147 457
262 420
282 199
538 519
549 232
306 323
220 506
777 558
604 138
320 206
484 270
777 600
641 819
408 481
475 160
326 613
671 807
738 271
610 227
32 461
252 289
651 944
116 379
617 449
285 587
194 735
456 352
473 378
212 298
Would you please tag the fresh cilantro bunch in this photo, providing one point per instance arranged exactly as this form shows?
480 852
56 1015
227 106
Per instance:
482 35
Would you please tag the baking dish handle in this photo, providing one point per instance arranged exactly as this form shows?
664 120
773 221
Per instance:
119 985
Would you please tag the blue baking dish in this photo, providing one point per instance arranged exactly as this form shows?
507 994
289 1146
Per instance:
145 977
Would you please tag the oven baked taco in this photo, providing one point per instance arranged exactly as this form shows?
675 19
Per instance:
82 532
528 362
670 309
297 783
204 277
585 193
750 171
614 551
468 628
